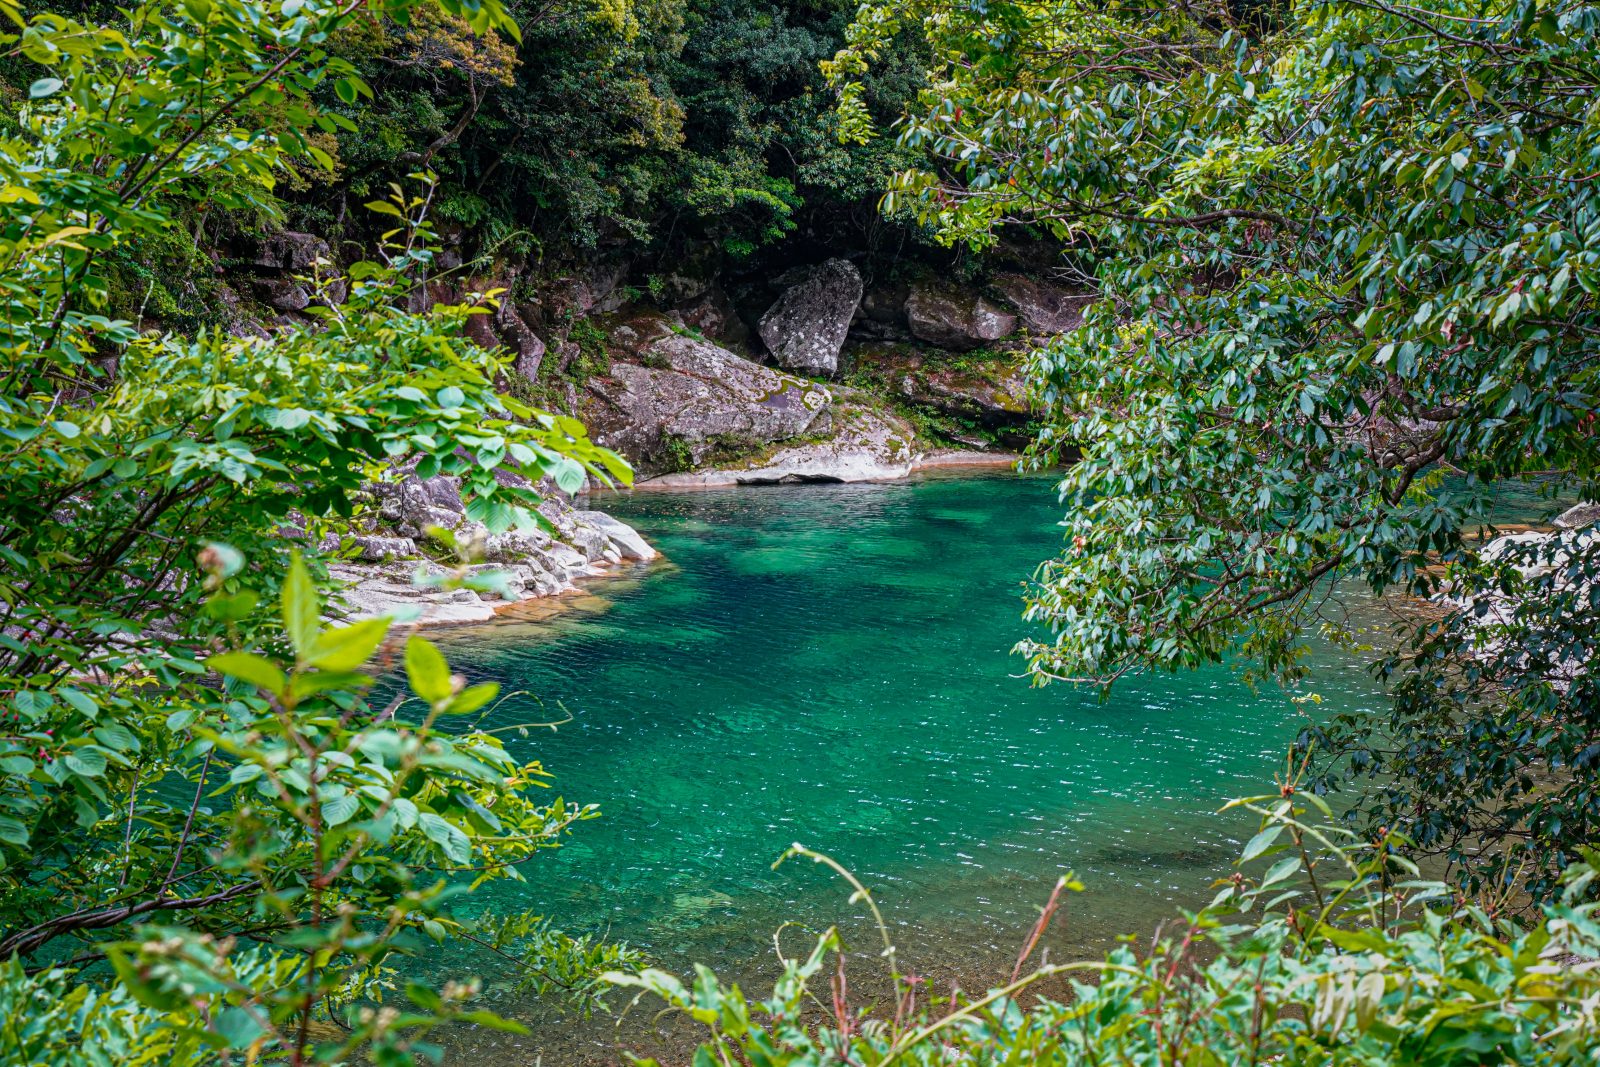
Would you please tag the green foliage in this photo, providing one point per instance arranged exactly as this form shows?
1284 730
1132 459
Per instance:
1333 954
654 121
170 751
676 454
594 357
53 1022
1341 246
547 962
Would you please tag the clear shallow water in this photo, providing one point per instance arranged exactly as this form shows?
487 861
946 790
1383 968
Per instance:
831 665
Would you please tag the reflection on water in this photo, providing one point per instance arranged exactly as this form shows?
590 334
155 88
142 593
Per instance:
830 665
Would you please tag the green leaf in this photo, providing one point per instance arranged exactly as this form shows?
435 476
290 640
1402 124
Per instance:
144 991
87 761
446 836
1261 842
13 831
291 418
348 647
44 87
33 702
117 738
245 772
493 1021
569 476
238 1028
1280 870
427 670
451 397
472 698
259 672
300 607
340 809
232 607
81 701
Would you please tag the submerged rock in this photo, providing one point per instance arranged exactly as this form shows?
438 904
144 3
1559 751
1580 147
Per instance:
806 328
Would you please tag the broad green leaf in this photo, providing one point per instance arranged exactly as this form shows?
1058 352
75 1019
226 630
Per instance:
232 607
245 772
472 698
1260 842
247 667
12 831
340 809
427 670
447 836
300 607
348 647
87 761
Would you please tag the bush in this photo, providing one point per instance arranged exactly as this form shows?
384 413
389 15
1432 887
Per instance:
210 841
1336 953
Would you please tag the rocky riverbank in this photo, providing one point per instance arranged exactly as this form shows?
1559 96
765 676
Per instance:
1552 566
424 562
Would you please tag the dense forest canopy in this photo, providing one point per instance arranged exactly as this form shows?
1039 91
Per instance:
667 127
1345 268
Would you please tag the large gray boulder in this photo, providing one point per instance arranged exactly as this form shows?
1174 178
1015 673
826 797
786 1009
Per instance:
866 445
805 329
956 319
686 399
285 294
628 542
1578 515
1046 309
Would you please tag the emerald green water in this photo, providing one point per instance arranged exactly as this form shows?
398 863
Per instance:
830 665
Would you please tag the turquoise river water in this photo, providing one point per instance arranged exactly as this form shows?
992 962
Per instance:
831 665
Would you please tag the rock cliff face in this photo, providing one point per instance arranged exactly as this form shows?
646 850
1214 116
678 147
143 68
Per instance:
675 401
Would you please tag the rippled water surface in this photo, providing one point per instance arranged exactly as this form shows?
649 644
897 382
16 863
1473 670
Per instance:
831 665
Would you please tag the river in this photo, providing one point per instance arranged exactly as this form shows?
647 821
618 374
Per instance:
831 665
